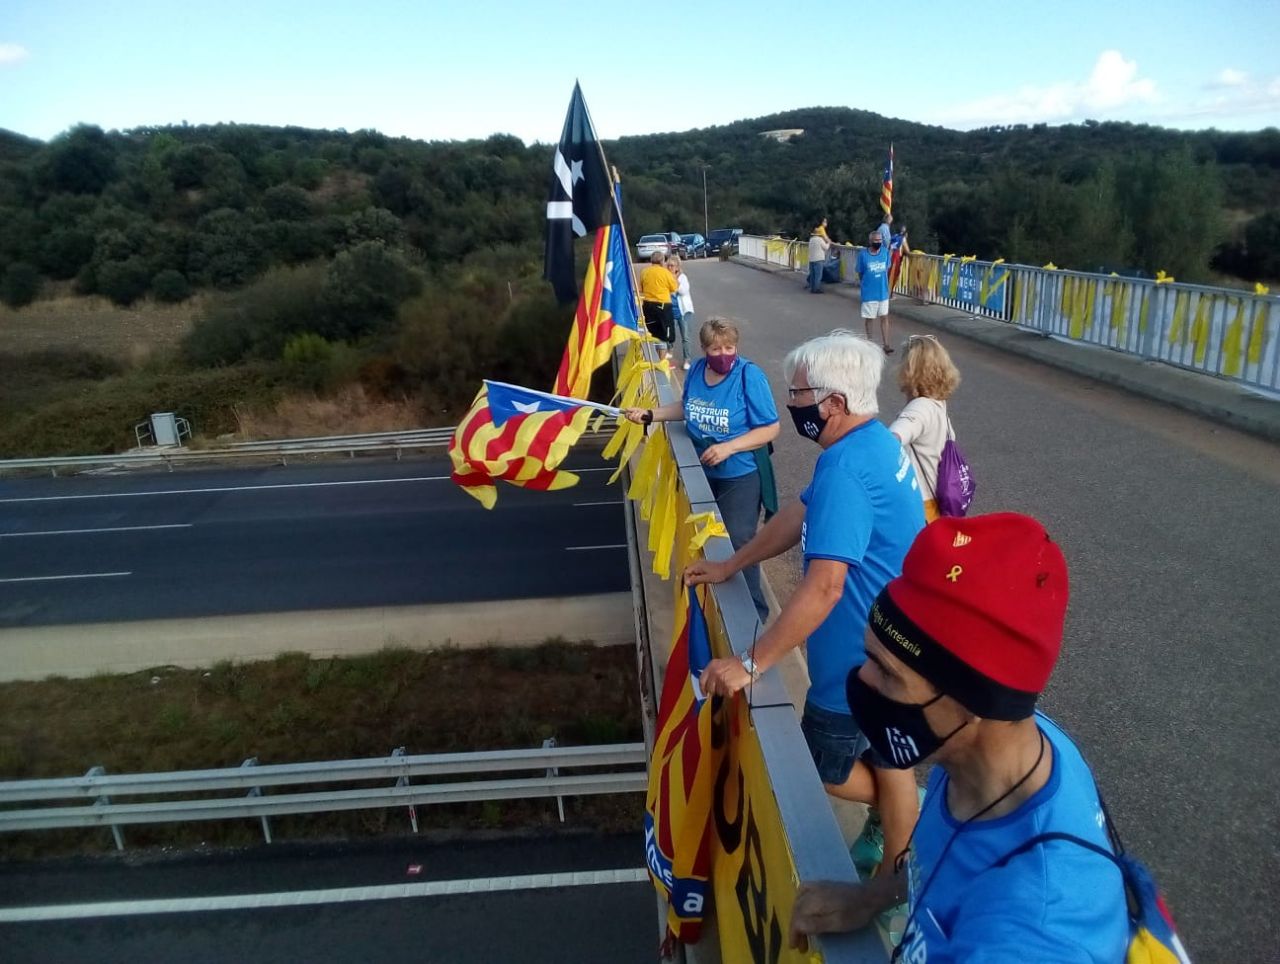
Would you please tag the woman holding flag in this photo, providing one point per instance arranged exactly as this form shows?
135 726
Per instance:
729 411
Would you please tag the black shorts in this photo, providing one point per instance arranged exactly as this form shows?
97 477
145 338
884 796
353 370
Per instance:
660 320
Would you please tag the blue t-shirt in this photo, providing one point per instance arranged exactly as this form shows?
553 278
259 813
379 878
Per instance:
862 508
1055 902
740 402
873 269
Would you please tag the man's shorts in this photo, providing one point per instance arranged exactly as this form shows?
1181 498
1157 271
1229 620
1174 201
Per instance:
875 309
660 320
836 743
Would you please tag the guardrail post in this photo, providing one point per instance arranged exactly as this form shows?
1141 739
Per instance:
403 781
257 792
102 800
550 744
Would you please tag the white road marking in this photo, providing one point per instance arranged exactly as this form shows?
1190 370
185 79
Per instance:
76 532
620 545
613 502
225 488
338 895
78 575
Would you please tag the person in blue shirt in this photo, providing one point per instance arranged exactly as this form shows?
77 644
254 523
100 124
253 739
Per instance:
959 647
872 268
854 523
727 406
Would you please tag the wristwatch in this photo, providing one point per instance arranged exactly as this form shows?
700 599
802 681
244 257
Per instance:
750 666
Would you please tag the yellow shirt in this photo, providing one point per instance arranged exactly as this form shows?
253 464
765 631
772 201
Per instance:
657 284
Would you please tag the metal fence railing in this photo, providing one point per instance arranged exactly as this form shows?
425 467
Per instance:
1226 332
95 794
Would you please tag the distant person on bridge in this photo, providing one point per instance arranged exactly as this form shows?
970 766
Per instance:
928 377
885 231
729 411
681 305
657 285
819 245
854 524
959 648
872 268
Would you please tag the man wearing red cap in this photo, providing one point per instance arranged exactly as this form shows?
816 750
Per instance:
959 647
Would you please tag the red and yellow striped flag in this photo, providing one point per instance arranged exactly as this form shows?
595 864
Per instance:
886 189
525 450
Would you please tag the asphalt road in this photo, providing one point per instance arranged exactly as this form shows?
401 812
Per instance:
1169 675
614 922
329 535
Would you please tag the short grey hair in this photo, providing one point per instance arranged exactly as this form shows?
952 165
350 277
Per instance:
842 362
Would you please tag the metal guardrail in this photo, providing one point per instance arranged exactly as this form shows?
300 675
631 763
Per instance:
99 787
1226 332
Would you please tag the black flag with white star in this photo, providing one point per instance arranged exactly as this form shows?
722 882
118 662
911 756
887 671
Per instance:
578 202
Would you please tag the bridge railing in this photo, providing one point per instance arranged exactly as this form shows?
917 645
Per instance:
774 827
1230 333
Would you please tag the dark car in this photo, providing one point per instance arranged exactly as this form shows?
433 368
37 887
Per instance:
723 238
695 245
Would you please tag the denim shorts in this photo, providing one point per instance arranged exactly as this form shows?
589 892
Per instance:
835 742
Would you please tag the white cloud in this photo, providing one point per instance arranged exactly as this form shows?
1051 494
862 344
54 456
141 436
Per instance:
12 54
1112 85
1230 77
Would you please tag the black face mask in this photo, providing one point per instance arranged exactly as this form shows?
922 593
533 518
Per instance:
899 732
809 421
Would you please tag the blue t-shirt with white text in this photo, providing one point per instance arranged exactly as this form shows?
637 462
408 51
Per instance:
863 508
740 402
873 269
1056 902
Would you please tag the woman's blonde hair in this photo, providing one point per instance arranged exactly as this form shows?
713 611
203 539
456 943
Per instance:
927 369
718 330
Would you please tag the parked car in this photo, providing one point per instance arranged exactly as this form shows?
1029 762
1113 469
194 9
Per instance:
723 238
695 245
669 242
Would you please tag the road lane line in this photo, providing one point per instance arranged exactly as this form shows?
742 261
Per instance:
337 895
226 488
78 575
620 545
614 502
76 532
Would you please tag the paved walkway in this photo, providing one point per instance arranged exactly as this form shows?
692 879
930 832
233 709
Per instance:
1169 676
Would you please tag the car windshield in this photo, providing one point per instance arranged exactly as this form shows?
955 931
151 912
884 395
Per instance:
690 238
720 234
651 238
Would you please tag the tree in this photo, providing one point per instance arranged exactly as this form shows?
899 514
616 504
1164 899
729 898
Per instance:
170 286
20 284
224 251
364 287
124 282
81 161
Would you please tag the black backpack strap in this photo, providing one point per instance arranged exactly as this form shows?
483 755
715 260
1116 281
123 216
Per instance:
1039 839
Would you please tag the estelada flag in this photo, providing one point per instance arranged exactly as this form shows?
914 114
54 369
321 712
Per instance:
677 819
606 314
525 450
886 185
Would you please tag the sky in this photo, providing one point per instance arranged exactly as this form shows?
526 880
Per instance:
459 70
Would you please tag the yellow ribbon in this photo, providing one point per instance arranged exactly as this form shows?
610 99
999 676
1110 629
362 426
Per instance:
1050 266
1260 289
1177 330
1258 331
955 275
1163 279
705 526
1233 342
1200 328
988 289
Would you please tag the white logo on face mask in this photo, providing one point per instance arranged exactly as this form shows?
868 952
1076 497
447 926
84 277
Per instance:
902 747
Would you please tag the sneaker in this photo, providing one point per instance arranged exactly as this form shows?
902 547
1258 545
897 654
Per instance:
686 364
868 850
888 350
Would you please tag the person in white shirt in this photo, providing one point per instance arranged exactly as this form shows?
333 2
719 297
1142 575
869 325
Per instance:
928 377
819 245
683 302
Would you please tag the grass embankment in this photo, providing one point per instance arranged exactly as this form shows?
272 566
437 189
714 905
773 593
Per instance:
299 709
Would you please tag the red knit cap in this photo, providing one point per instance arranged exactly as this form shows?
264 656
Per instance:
978 611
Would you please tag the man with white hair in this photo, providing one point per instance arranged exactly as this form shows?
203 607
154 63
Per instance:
854 523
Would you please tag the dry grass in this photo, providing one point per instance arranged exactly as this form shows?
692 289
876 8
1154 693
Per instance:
349 412
94 324
296 709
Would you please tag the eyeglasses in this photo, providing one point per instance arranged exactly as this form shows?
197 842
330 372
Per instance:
793 392
911 338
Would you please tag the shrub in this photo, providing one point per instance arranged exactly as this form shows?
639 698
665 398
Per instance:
170 286
20 284
257 321
124 282
363 288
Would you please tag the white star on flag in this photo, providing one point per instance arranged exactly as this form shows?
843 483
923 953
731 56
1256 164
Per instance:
608 276
527 407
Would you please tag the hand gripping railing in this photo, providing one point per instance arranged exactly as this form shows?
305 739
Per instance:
100 792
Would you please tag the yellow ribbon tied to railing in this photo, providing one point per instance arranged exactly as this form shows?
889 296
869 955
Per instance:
1164 279
955 275
1120 295
662 525
988 289
1258 325
1200 328
1233 342
705 526
1082 305
1178 328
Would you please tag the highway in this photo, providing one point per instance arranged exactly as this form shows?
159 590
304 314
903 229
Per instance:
1169 674
562 920
328 535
